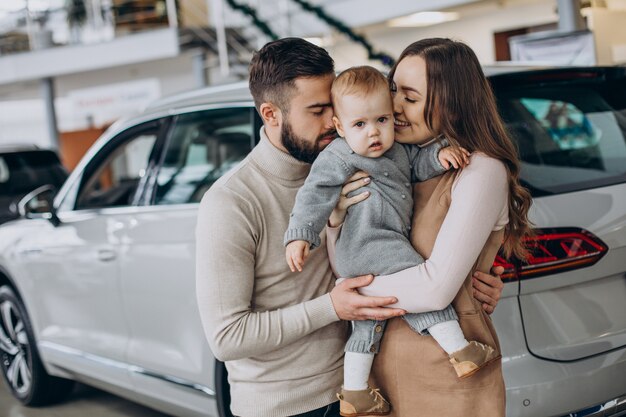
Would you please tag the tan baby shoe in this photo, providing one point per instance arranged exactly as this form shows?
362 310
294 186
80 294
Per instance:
367 402
472 358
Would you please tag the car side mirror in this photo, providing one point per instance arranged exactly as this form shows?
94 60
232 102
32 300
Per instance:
38 204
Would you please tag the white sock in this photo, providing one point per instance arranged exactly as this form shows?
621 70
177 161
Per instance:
356 370
449 336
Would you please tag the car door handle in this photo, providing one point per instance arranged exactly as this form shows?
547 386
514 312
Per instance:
31 252
106 255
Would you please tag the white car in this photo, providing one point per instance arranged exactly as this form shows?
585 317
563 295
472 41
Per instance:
98 285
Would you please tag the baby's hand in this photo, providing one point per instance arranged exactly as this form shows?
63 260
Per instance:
456 156
296 253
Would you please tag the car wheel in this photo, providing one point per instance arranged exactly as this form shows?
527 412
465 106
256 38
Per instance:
222 390
19 359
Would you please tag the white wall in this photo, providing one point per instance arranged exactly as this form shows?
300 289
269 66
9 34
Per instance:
23 121
609 34
475 27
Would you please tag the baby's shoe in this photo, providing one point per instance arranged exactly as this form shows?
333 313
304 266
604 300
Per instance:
367 402
472 358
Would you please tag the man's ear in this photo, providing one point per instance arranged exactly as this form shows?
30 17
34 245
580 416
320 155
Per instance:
270 114
338 127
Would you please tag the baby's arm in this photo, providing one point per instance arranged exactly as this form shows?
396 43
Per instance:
296 252
454 156
424 161
316 199
434 159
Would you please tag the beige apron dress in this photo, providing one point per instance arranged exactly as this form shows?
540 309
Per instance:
413 371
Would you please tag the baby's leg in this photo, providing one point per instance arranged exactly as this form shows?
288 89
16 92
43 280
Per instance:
360 349
467 358
449 336
356 370
357 398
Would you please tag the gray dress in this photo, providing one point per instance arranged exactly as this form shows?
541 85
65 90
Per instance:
375 235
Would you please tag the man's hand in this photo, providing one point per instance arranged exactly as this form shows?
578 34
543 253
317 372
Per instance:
456 156
488 288
350 305
355 182
296 253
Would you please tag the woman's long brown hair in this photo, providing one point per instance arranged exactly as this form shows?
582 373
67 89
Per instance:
462 107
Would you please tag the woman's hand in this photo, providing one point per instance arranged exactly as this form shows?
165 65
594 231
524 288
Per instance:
488 288
355 182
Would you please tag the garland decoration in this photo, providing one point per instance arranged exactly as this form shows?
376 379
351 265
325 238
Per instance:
341 27
251 13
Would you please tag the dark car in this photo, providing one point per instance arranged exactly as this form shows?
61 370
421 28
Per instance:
23 169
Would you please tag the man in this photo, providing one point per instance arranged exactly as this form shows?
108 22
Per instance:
280 333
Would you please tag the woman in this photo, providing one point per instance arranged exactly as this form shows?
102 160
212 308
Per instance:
459 223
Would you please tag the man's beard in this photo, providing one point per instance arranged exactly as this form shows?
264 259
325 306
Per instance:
299 147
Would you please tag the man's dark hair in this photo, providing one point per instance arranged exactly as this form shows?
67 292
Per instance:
275 67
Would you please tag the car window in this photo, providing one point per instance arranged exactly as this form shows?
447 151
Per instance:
22 172
201 148
114 182
4 171
570 137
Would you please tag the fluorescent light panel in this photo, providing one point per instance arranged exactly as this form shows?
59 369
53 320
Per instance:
422 19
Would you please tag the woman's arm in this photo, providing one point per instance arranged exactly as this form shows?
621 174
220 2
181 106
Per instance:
479 199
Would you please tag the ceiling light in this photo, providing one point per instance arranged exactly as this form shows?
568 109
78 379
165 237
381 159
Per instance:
422 19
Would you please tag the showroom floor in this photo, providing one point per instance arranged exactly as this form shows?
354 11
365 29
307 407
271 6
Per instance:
85 401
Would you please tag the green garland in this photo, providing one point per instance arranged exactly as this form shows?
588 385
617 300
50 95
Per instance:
340 26
250 12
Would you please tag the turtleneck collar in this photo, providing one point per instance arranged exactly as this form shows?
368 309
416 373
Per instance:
277 162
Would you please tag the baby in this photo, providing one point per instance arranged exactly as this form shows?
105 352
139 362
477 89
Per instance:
375 234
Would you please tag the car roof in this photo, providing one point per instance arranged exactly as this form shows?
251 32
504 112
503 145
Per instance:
239 92
236 92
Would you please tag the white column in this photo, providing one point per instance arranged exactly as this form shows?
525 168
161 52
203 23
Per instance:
47 93
570 19
220 31
172 13
199 70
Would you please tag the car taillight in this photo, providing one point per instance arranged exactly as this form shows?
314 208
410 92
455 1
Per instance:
552 251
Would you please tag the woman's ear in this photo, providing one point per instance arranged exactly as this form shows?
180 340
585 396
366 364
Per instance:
270 114
338 127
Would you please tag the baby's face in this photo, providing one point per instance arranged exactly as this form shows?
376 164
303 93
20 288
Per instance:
367 122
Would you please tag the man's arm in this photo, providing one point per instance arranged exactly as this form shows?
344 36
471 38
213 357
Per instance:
225 259
488 288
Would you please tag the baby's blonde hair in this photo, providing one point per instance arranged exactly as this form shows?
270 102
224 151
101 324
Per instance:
361 80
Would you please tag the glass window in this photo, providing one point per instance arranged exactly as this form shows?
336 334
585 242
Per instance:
570 136
4 171
114 182
22 172
202 147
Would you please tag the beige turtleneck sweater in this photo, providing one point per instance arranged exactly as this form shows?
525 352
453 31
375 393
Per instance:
276 330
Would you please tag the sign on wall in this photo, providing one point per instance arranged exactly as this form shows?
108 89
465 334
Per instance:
102 105
558 48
